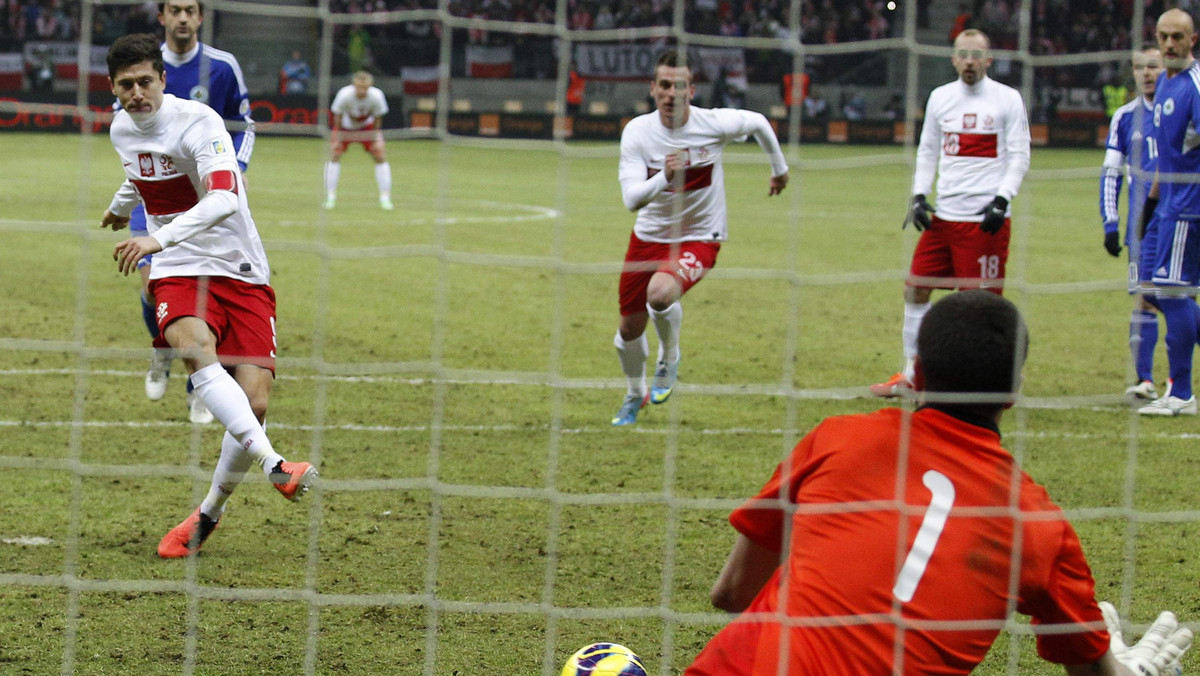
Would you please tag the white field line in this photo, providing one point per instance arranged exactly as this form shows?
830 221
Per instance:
28 541
605 429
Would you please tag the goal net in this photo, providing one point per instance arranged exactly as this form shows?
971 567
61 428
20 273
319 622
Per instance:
449 365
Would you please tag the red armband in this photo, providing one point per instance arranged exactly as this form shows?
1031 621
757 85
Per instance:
224 179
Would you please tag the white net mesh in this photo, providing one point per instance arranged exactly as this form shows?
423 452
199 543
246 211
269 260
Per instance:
416 553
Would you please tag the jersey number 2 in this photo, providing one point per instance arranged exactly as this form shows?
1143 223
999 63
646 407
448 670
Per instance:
940 502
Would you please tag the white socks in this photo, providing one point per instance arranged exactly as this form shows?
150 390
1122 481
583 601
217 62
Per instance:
667 323
914 313
633 361
231 469
228 403
383 179
332 171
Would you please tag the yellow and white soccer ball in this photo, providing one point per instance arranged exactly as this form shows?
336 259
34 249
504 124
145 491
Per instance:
604 659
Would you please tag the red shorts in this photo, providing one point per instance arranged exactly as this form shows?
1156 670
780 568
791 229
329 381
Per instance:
958 255
344 138
241 315
687 261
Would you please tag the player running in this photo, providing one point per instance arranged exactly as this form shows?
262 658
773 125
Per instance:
210 277
976 137
201 73
358 111
671 175
1131 145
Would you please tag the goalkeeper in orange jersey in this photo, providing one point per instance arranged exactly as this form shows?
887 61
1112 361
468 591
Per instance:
885 542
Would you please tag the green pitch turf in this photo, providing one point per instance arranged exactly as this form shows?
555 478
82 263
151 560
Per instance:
450 367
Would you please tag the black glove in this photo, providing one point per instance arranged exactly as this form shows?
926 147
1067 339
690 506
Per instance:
993 215
1147 214
1112 243
918 213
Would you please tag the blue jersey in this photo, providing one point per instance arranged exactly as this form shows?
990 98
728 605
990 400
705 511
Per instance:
224 91
1176 119
1130 144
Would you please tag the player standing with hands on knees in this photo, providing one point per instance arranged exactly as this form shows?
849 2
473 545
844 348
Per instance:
976 137
1131 144
210 274
885 542
358 111
671 174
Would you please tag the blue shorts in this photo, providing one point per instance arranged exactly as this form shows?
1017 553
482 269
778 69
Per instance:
1177 259
137 228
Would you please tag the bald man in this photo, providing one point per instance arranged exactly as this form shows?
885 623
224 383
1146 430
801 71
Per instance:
1171 254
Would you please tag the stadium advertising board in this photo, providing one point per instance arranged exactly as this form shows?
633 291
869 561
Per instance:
57 112
636 62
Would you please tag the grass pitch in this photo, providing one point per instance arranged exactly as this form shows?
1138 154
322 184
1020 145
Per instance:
449 365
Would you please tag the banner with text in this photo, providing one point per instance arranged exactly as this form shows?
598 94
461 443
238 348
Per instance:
636 62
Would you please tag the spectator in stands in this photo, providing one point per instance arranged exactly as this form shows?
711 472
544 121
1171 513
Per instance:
788 92
815 106
894 108
575 86
961 22
295 74
359 49
41 70
854 106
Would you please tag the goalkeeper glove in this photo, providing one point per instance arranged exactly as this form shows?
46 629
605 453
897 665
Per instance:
918 213
1147 215
1158 653
993 215
1112 243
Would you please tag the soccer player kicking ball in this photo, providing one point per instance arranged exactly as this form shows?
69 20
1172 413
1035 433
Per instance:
885 543
976 136
211 76
671 175
210 276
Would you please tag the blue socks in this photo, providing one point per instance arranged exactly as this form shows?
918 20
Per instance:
149 318
1143 337
1181 341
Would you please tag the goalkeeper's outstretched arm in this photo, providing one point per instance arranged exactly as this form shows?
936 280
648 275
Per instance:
747 569
1158 652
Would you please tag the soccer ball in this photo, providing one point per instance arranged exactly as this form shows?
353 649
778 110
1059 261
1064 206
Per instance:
604 659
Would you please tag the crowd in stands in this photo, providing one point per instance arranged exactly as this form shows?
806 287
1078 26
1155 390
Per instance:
23 21
1059 27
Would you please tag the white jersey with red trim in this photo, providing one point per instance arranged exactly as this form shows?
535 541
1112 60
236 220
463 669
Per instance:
166 160
977 139
700 213
359 113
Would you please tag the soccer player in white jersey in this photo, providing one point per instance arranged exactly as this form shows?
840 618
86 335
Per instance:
671 175
201 73
210 277
358 111
976 137
1131 146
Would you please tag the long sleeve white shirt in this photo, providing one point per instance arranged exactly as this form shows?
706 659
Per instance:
976 138
701 212
166 160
